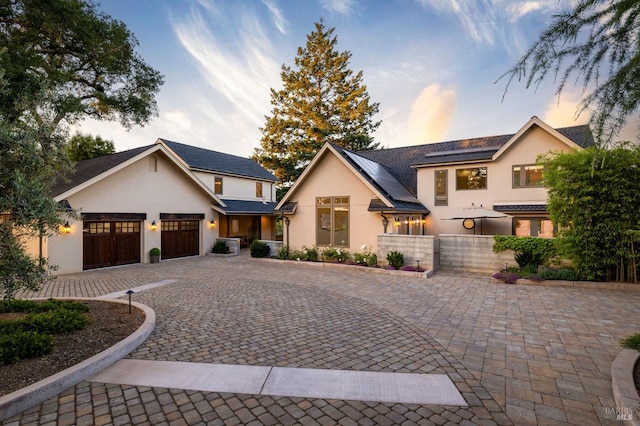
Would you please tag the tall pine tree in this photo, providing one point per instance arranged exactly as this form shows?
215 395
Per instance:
322 101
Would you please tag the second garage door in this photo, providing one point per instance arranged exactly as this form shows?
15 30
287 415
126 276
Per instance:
180 238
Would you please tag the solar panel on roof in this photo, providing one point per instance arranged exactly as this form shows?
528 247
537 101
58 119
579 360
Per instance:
378 173
462 151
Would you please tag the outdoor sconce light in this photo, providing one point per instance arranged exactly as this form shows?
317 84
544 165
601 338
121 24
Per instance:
153 226
212 224
66 228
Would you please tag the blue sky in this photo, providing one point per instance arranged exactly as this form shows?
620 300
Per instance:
431 64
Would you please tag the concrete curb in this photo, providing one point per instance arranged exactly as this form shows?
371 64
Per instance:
577 284
38 392
624 389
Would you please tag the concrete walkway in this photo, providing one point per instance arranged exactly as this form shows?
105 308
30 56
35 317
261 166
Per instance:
516 354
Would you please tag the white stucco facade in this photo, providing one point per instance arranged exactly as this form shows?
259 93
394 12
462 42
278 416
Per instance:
151 185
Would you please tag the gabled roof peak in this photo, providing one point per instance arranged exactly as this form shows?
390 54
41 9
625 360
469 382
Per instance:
217 162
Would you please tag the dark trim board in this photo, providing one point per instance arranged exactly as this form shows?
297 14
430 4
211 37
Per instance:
181 216
113 216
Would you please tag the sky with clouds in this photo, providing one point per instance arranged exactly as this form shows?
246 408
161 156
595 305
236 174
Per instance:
432 65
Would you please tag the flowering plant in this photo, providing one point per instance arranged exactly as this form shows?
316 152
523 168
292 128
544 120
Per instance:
366 257
331 254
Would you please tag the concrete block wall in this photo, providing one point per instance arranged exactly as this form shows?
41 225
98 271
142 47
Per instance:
472 253
413 247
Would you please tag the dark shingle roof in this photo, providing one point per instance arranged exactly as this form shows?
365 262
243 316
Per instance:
214 161
510 208
287 208
88 169
399 161
248 207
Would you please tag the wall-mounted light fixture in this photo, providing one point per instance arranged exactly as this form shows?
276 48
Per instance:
212 224
66 228
153 226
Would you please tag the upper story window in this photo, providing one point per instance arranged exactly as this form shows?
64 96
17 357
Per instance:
217 185
527 176
258 189
471 178
441 182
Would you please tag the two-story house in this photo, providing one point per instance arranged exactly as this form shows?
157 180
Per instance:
172 196
346 199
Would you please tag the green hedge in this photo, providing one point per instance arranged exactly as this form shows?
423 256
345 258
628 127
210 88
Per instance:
23 345
30 337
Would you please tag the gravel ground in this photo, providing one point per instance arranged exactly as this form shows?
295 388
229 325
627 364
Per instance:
110 323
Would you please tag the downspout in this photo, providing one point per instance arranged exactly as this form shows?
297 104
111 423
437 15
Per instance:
385 221
286 222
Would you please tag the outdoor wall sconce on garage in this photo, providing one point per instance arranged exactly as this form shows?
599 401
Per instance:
153 226
66 228
212 224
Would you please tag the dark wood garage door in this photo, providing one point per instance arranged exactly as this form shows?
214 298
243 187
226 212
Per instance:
110 243
180 238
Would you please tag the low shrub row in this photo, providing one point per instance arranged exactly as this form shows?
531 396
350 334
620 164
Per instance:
31 336
366 257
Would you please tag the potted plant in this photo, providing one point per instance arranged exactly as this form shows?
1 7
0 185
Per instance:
154 253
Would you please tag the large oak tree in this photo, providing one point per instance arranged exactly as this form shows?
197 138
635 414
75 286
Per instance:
322 100
84 60
60 61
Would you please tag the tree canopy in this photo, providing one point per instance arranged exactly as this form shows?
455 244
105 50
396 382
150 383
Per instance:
83 147
81 59
594 199
60 61
322 100
595 43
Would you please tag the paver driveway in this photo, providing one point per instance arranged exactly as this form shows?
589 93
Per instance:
542 355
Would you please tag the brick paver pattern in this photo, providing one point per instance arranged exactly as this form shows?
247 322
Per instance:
518 354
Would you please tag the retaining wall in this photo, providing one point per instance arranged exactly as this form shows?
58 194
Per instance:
416 248
467 253
472 253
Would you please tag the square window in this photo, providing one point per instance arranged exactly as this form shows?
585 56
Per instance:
472 178
528 176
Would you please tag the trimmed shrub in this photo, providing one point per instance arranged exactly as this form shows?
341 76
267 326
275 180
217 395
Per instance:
259 249
566 274
24 344
395 259
59 321
220 247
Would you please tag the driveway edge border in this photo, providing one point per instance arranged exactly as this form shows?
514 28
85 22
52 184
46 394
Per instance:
624 389
27 397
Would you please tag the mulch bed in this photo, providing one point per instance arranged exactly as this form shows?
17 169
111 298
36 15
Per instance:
110 323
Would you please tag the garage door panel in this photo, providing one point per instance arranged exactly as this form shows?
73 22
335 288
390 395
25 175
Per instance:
180 238
110 243
96 251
